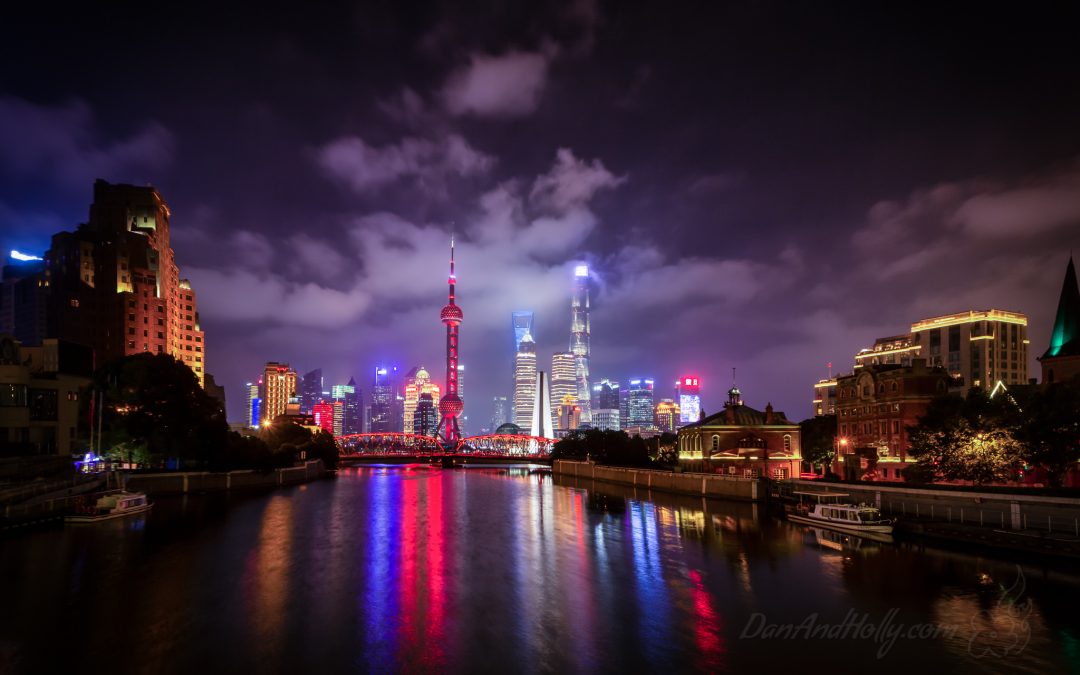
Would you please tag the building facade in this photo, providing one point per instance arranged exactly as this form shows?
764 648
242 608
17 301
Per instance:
580 336
875 407
40 388
279 388
688 396
563 380
500 412
666 415
524 382
24 297
521 324
567 415
114 284
323 412
254 402
418 385
311 390
380 411
825 397
978 348
743 442
640 407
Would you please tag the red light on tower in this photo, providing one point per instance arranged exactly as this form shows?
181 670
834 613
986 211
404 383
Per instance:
451 405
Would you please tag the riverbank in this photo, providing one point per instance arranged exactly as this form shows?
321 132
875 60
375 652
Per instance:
187 482
693 484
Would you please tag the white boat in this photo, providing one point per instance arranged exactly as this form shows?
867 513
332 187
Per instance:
118 504
828 511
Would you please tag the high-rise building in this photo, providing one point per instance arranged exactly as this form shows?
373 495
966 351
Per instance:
1061 360
563 380
24 296
323 412
540 424
624 407
353 422
605 405
568 415
640 404
347 419
500 412
311 390
688 390
666 415
420 383
425 418
521 324
381 409
579 338
279 386
114 284
253 401
978 348
524 382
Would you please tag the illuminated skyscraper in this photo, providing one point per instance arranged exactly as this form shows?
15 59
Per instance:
348 419
461 394
253 402
640 404
311 389
418 385
279 386
688 389
666 416
323 412
451 406
524 382
540 424
563 380
521 324
380 415
114 284
579 338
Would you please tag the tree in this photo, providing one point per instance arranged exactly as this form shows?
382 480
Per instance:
818 436
155 409
1049 428
970 438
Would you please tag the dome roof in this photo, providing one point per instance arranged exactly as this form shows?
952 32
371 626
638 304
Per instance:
509 428
451 312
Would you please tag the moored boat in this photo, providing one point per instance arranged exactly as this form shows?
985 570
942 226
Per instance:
110 506
828 511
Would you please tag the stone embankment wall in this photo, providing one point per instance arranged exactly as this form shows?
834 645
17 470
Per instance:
203 481
697 484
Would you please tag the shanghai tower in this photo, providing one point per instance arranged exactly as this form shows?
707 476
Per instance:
451 405
579 339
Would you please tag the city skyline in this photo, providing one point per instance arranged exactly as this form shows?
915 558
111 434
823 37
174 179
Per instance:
784 223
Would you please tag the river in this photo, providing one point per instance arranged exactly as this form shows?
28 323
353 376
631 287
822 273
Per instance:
505 569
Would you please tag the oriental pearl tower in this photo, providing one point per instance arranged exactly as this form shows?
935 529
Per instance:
451 405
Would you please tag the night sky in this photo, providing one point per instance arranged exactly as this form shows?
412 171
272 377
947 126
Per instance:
755 185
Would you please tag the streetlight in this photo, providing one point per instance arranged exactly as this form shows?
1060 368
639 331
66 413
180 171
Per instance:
842 443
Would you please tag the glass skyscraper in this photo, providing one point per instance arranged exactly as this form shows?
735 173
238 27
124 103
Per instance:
579 339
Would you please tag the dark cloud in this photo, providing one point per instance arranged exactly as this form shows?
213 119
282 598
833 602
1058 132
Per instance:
754 186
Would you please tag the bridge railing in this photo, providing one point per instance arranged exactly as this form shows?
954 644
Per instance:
416 445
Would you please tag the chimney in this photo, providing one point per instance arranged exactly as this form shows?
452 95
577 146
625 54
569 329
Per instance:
730 412
768 414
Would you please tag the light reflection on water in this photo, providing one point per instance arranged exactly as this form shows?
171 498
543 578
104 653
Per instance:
413 568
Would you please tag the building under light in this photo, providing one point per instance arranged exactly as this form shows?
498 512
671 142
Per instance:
688 392
381 408
279 387
521 324
253 401
568 415
323 412
640 405
311 390
825 397
605 403
418 384
500 411
580 337
666 415
563 380
978 348
1061 360
525 382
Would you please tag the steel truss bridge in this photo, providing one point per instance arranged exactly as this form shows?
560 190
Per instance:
402 445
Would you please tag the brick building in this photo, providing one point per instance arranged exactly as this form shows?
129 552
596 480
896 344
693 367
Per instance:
874 407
